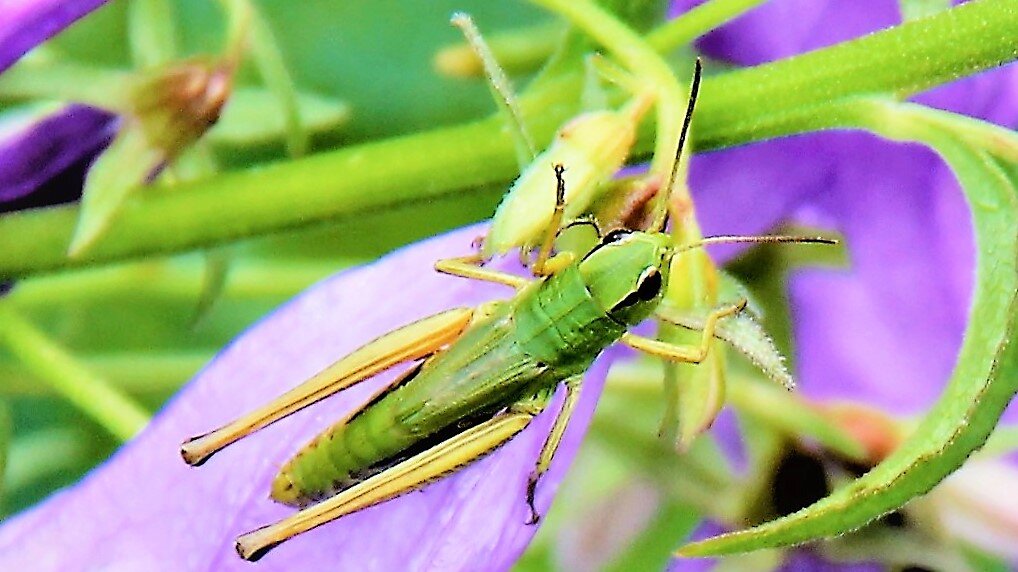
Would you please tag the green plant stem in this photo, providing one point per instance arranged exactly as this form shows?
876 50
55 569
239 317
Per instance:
736 108
172 280
698 21
93 395
272 68
779 98
133 374
983 381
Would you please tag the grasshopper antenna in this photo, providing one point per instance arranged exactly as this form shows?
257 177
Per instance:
662 203
526 151
765 239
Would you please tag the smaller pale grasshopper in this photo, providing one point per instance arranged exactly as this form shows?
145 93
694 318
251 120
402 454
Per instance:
482 375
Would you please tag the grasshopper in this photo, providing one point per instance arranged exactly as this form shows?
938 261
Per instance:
481 375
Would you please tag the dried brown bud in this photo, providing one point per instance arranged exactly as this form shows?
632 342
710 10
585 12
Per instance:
178 104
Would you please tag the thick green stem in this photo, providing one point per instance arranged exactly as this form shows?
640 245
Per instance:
179 281
776 99
736 108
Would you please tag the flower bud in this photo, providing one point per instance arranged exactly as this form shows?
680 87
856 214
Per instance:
878 433
177 105
592 147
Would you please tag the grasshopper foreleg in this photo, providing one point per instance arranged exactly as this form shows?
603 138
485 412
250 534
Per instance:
470 267
413 341
402 478
683 354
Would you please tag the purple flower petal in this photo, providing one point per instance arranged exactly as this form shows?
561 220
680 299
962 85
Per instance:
892 324
784 28
25 24
748 190
146 509
887 330
804 560
34 153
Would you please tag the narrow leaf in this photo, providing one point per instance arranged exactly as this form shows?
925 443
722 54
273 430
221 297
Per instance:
255 116
125 165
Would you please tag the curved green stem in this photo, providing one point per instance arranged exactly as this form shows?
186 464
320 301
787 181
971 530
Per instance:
736 108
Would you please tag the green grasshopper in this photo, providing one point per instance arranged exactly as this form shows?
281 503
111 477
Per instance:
482 375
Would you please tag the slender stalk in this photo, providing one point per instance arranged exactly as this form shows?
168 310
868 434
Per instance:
94 396
151 32
698 21
781 97
130 373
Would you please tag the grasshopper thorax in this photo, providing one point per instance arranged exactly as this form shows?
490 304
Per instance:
627 273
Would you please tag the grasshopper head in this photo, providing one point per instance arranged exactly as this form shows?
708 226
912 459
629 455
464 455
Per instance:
627 273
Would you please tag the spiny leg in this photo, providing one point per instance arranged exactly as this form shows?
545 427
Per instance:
545 264
550 447
402 478
685 354
413 341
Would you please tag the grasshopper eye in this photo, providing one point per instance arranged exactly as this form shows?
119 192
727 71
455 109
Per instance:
615 235
649 284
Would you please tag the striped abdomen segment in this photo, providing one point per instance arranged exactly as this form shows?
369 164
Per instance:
479 374
338 457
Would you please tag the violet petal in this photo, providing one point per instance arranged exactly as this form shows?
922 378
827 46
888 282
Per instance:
784 28
146 508
25 24
34 153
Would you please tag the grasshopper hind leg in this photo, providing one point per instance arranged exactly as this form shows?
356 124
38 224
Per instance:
408 343
404 477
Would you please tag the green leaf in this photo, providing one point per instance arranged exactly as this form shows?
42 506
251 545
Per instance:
255 116
983 381
743 332
123 167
